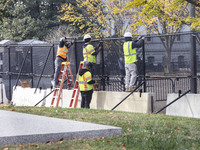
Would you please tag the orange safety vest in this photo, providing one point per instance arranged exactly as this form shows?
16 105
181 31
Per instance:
62 52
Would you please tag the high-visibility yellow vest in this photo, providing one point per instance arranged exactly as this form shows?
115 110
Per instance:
63 52
83 81
87 54
129 53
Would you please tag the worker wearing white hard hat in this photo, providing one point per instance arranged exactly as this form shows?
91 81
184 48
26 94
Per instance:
90 52
87 36
128 34
130 59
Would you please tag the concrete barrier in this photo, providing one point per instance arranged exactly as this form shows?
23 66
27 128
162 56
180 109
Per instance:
187 106
26 97
134 103
64 101
3 94
141 103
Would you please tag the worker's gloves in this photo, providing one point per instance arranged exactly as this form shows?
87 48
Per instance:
100 46
140 38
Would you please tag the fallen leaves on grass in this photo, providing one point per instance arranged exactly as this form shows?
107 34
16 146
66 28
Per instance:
109 142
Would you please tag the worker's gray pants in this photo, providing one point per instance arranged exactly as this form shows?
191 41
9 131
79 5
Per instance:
130 75
57 70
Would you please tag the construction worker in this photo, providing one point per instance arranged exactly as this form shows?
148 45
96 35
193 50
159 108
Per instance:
130 58
86 84
89 52
62 56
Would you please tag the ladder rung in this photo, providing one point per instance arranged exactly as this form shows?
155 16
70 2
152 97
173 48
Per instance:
57 97
57 88
61 79
65 63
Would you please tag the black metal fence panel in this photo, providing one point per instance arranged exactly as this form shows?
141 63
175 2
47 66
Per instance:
167 62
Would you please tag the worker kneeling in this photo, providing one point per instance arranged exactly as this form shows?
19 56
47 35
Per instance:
86 85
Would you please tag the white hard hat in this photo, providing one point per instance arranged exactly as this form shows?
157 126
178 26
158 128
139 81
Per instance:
87 36
63 39
127 34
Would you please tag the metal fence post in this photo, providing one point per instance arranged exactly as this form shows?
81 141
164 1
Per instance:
76 58
9 70
32 67
144 66
193 83
53 58
103 69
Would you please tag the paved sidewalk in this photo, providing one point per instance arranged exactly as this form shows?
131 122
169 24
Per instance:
20 128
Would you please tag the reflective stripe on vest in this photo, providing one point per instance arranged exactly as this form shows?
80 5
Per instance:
83 82
63 52
87 54
129 53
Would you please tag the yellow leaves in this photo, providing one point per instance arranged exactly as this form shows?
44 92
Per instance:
87 14
82 26
195 23
153 19
135 3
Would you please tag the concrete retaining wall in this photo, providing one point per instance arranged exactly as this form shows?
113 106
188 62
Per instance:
136 102
187 106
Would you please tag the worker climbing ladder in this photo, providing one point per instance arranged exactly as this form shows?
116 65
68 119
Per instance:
76 91
57 95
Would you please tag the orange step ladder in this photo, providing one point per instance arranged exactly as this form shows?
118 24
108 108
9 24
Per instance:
65 66
76 91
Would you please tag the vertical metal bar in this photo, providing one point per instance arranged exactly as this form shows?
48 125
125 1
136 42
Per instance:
173 85
152 104
103 70
76 58
32 67
53 59
9 70
144 67
43 67
193 83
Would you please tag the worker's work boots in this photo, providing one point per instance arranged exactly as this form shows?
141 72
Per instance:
131 89
127 89
54 84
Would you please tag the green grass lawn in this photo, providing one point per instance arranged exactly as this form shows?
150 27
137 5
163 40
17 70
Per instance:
140 131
